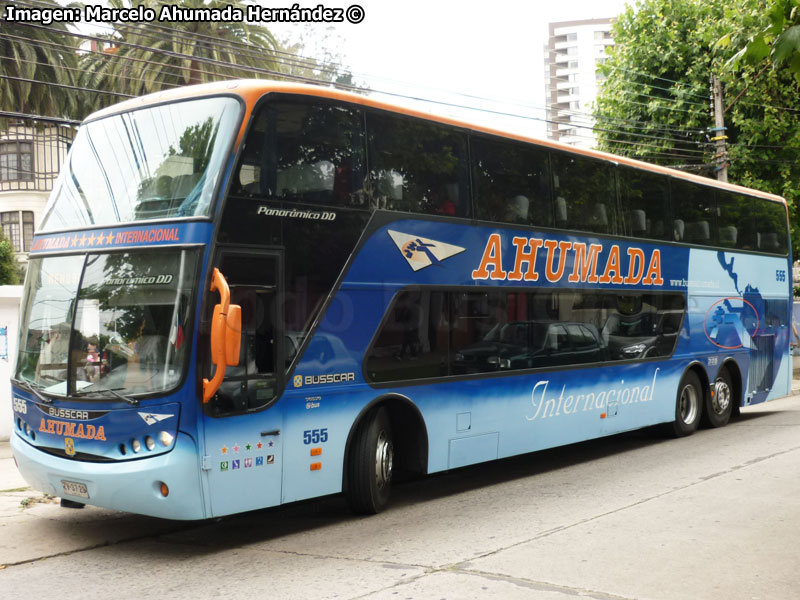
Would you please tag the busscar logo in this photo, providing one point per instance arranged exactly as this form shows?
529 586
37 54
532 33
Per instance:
301 380
422 252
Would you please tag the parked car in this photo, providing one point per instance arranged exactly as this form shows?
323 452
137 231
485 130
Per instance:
531 344
641 336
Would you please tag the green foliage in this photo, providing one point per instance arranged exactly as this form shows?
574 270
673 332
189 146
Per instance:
779 40
45 55
9 267
658 86
312 57
151 59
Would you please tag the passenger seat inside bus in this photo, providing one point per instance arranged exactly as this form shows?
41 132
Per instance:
638 223
727 236
678 227
768 242
561 212
698 231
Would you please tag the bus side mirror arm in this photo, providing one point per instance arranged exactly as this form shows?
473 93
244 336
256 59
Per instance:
226 335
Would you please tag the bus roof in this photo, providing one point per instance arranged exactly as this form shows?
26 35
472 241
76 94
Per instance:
250 90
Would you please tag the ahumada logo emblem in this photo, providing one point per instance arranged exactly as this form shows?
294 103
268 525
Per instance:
422 252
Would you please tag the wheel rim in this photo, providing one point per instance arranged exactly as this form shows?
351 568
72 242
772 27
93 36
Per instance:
689 404
383 460
722 396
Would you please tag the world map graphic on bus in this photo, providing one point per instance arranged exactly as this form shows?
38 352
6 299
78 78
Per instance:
732 322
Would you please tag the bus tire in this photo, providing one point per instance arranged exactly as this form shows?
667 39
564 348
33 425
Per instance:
688 406
719 403
370 465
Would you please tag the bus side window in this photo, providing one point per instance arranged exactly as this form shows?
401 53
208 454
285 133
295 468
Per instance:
588 190
417 166
512 182
695 208
644 204
771 223
305 151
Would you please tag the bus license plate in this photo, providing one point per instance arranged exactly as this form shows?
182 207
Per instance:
74 488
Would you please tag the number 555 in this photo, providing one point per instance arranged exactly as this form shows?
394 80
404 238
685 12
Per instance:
315 436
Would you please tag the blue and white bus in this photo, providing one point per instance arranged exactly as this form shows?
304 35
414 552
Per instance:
247 294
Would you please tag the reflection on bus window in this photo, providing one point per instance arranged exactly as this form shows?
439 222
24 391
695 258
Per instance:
417 166
131 320
512 182
157 162
305 152
436 333
644 203
585 193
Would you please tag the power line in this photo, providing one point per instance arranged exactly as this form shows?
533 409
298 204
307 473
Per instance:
63 86
25 116
116 56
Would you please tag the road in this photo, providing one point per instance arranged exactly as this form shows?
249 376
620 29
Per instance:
712 516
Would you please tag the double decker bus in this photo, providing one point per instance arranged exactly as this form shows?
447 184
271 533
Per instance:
251 293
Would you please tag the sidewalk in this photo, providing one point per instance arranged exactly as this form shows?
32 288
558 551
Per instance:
10 479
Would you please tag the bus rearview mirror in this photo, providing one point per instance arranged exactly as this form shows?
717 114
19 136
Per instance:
226 335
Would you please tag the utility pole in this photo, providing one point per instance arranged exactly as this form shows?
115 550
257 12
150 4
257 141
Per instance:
721 156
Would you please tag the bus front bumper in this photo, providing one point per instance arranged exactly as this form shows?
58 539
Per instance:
131 486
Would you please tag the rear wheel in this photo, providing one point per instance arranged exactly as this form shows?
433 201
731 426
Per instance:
688 406
370 465
719 405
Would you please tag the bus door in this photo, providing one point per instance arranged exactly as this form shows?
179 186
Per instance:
243 429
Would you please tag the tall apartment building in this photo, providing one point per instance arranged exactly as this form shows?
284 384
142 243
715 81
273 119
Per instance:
572 54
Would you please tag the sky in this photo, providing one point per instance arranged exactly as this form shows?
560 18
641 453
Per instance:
456 52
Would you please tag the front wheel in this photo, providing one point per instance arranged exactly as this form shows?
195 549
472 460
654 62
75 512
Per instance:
370 464
719 404
688 406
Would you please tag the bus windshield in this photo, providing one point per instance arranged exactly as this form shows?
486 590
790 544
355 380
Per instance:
157 162
114 321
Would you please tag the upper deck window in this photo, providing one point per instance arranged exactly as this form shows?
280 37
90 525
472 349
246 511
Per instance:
585 194
158 162
417 166
304 151
512 182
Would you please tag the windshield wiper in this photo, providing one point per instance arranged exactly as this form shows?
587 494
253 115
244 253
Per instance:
112 391
29 386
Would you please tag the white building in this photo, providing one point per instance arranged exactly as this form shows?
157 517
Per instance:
572 55
31 154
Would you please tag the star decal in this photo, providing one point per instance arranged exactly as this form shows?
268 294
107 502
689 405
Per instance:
259 445
271 444
110 238
224 449
236 448
248 447
90 240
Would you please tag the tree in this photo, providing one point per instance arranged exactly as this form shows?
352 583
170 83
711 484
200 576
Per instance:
10 271
309 56
654 104
43 54
149 57
779 41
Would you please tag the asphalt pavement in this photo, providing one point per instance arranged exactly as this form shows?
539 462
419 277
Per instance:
35 530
